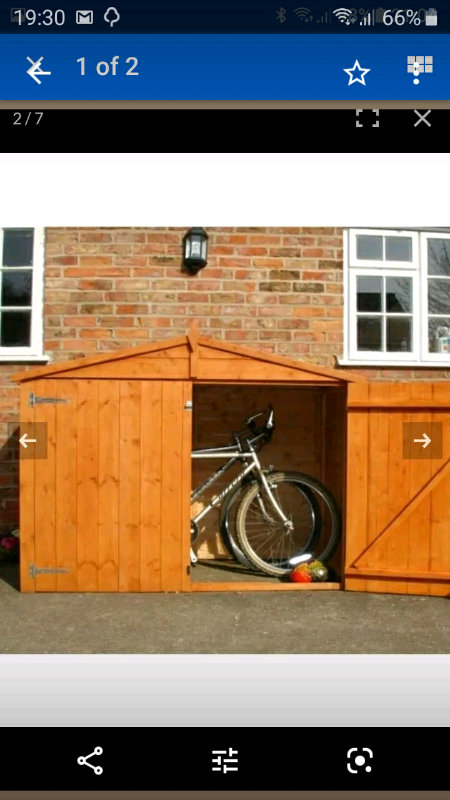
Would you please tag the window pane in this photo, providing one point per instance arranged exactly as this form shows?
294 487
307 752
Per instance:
438 331
18 247
369 333
398 334
15 329
368 294
438 296
439 257
369 247
399 295
398 248
16 288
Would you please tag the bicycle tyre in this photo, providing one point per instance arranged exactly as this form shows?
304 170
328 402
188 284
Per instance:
227 521
305 482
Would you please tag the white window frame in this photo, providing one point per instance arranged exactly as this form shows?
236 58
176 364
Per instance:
417 269
35 349
377 355
376 263
435 358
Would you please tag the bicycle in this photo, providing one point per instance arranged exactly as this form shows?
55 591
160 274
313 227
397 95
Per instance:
279 518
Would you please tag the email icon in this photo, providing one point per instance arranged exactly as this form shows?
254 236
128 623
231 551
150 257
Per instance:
85 17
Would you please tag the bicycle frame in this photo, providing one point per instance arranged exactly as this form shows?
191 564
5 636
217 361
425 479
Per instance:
224 452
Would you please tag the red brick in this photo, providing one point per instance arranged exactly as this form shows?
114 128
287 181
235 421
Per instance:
80 321
95 261
132 308
95 237
97 333
154 322
132 333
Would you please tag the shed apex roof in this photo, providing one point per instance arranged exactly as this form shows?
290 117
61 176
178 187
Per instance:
193 342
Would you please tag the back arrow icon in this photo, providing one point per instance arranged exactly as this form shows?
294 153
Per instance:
35 69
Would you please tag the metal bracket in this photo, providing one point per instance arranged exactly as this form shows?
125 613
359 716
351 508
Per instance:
35 400
34 570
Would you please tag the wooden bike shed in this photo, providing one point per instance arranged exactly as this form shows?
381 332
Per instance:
108 508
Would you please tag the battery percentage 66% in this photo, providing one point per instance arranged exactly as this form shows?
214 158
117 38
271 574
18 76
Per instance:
401 17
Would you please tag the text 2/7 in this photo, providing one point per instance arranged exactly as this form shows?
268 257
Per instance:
110 67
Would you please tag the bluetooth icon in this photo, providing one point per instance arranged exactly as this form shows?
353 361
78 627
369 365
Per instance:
281 14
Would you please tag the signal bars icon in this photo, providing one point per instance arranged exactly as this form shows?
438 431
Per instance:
368 19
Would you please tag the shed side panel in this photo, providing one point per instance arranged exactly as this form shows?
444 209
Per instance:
172 481
27 470
45 493
129 490
66 484
87 486
108 485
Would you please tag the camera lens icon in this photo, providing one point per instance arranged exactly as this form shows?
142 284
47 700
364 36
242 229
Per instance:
357 760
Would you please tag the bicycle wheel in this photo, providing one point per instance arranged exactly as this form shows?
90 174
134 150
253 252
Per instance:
228 513
262 535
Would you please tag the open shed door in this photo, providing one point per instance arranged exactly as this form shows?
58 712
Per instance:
107 509
398 488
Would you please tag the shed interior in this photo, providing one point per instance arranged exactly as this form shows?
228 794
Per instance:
309 437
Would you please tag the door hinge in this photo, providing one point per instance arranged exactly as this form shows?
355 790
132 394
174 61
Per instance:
34 570
35 400
188 405
188 570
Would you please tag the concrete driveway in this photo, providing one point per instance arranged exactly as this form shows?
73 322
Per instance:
237 622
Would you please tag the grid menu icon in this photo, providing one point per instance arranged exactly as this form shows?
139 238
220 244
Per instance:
424 63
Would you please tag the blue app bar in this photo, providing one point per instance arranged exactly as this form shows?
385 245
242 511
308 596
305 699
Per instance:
224 67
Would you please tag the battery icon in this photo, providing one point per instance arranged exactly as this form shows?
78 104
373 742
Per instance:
431 17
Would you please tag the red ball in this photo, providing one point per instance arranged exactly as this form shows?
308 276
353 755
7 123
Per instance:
300 576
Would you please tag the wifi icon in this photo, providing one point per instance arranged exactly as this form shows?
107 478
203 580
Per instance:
303 13
343 15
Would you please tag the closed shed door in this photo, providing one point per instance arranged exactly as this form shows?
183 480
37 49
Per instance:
398 490
108 509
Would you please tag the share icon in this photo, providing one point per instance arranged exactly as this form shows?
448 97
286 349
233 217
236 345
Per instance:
83 760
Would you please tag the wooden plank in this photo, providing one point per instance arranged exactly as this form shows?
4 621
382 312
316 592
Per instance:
150 501
45 500
358 454
117 355
237 370
129 486
402 404
87 486
171 495
255 586
27 502
399 471
193 337
378 478
133 368
66 485
439 555
339 375
421 470
411 575
108 485
186 487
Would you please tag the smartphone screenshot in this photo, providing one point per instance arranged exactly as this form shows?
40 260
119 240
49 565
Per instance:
224 401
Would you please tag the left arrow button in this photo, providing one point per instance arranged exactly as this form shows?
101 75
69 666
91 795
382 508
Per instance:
35 69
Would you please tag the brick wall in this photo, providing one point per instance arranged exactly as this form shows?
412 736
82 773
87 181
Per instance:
277 289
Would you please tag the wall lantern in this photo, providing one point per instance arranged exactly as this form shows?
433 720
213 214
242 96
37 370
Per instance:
195 250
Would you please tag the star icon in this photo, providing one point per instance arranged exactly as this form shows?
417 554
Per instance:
350 72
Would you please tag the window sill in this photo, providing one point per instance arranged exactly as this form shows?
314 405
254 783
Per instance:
4 359
344 362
